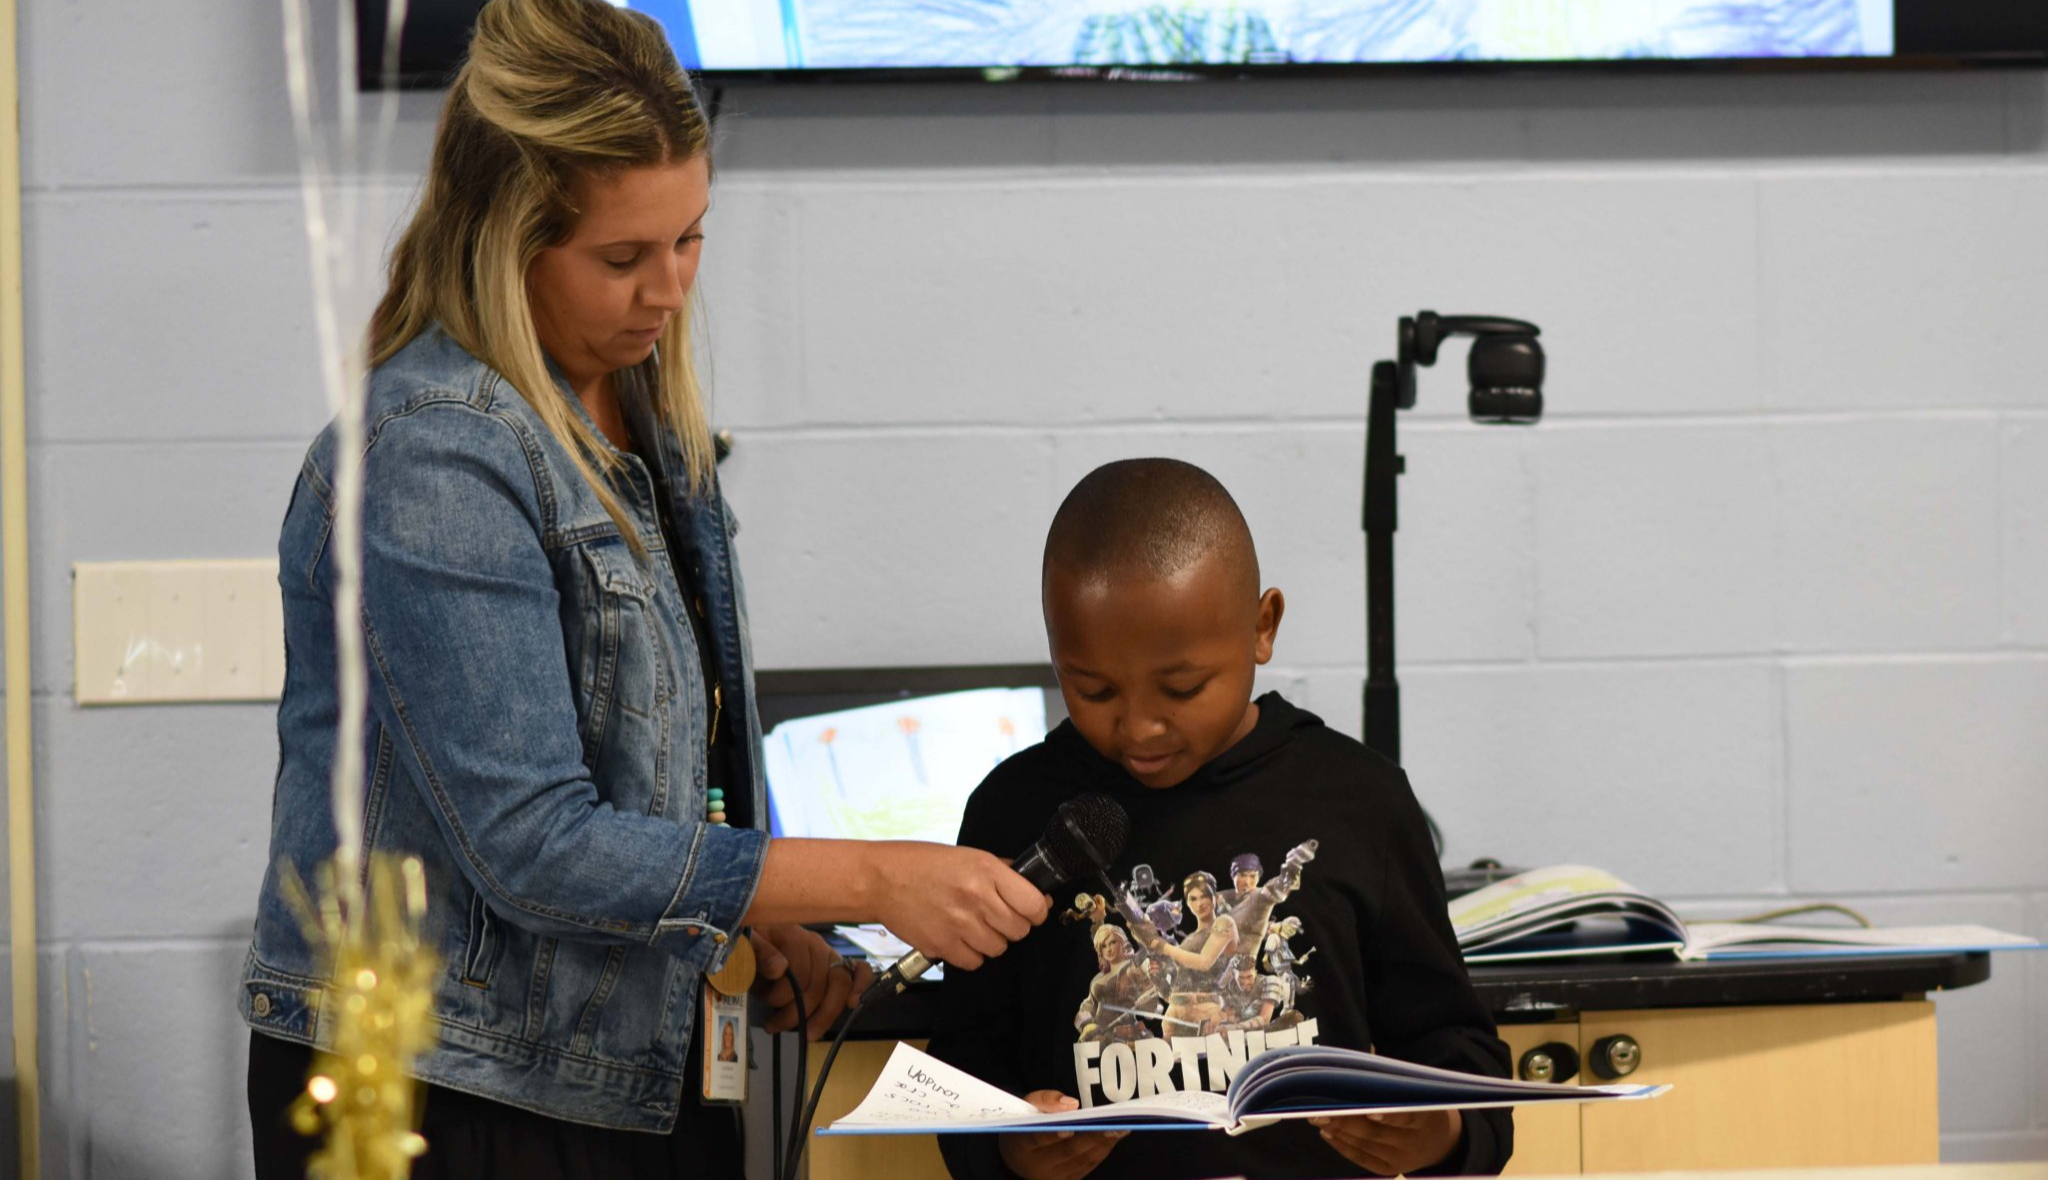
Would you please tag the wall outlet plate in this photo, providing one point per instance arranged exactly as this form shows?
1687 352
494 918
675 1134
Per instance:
158 631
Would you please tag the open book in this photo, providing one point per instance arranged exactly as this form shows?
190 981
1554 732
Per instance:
1560 911
1567 910
1778 940
917 1094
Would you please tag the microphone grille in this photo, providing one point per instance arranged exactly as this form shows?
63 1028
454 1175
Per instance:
1087 833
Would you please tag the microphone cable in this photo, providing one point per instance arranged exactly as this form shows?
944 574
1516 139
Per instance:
776 1047
801 1126
787 1145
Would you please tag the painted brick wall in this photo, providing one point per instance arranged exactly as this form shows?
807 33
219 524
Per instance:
1760 610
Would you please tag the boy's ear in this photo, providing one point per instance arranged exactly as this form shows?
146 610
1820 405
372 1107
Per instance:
1272 604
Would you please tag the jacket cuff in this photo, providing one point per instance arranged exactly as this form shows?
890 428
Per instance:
702 922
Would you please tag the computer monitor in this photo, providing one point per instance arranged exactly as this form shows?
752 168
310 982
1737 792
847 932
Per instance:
893 753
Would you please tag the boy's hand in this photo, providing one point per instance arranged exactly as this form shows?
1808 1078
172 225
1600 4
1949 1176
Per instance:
1395 1143
1055 1155
790 957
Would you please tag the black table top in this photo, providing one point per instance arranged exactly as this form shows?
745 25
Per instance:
1516 992
1545 990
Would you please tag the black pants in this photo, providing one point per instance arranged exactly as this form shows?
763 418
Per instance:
472 1138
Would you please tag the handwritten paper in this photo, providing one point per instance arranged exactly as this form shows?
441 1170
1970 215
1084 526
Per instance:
916 1087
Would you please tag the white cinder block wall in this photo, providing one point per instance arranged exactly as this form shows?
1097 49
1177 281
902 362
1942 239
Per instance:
1760 610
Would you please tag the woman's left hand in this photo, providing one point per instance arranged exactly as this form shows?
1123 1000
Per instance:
791 957
1396 1143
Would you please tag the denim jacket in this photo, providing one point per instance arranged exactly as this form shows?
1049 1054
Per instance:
536 736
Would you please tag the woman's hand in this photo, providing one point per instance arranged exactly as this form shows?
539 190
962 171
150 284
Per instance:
790 957
959 905
1055 1155
1395 1143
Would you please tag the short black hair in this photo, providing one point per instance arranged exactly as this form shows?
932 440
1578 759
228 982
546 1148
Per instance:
1152 518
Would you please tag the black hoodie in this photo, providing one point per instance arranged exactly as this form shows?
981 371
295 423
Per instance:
1343 850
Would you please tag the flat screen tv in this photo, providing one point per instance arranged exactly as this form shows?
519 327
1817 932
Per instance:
1007 40
893 753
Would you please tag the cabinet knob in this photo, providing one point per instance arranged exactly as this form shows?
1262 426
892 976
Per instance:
1616 1056
1553 1061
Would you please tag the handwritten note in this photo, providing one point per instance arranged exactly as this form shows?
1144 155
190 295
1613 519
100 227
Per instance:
915 1087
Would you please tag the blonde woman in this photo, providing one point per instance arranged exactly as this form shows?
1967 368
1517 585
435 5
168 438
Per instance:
562 723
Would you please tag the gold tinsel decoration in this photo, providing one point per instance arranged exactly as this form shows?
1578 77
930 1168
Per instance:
379 1012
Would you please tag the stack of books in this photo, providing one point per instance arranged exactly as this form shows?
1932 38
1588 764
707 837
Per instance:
1571 910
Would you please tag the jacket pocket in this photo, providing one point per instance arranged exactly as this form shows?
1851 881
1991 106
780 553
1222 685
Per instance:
279 1002
616 631
486 943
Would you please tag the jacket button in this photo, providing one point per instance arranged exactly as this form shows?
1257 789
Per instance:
719 939
260 1005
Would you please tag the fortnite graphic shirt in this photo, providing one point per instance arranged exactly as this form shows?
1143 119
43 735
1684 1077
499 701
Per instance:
1206 981
1285 894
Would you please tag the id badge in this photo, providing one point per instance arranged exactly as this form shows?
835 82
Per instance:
722 1027
724 1019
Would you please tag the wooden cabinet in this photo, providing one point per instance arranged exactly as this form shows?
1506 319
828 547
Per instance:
1770 1087
1776 1086
1546 1137
1787 1086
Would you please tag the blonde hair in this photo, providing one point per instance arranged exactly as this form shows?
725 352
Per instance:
552 91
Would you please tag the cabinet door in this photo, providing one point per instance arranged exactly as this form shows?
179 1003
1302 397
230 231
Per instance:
857 1157
1546 1137
1824 1085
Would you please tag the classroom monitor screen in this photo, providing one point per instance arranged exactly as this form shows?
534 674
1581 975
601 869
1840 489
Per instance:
1167 40
917 34
899 770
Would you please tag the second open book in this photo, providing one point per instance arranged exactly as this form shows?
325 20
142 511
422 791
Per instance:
1570 910
919 1094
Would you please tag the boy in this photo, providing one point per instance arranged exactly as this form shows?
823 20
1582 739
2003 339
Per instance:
1156 624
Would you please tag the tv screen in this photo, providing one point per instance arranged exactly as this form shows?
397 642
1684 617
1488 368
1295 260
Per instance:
1007 39
893 753
914 34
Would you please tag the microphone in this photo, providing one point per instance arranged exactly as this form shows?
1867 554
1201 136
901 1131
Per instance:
1080 840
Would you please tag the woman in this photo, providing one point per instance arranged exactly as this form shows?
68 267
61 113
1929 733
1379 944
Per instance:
1199 959
562 724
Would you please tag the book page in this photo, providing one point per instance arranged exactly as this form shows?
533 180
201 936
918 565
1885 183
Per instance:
1567 1095
1761 939
915 1088
918 1091
1203 1105
1527 892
